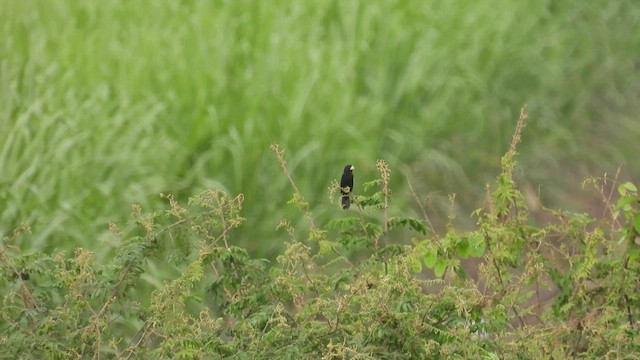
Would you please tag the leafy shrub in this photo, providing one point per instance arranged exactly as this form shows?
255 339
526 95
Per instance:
341 290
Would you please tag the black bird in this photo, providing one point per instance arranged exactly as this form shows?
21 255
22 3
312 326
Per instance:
346 185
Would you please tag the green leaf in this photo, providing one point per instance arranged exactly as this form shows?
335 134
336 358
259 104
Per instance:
440 267
626 188
416 265
392 250
415 224
462 248
369 201
344 223
343 279
630 186
371 184
460 272
634 254
477 245
625 201
430 257
326 246
636 222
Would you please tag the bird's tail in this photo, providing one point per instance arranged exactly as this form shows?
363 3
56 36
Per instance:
346 202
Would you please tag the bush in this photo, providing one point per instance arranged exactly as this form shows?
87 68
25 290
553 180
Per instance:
340 290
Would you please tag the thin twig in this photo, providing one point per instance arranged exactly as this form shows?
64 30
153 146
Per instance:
224 223
283 163
385 173
342 256
424 212
144 334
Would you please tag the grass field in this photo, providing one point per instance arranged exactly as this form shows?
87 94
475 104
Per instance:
105 104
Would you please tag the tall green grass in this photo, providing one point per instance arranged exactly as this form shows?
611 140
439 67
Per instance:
104 104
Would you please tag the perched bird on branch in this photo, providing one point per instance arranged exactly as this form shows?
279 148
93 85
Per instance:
346 186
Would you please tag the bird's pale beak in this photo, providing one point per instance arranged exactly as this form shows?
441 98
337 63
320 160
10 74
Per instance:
353 167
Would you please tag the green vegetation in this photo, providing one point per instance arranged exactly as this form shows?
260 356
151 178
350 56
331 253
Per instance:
317 301
104 104
107 104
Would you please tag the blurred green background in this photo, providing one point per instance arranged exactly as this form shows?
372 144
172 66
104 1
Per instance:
108 103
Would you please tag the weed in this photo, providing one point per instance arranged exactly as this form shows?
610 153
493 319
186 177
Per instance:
340 290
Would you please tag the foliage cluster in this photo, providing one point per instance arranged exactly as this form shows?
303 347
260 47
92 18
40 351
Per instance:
102 105
340 290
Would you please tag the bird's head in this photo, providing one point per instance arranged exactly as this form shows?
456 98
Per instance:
349 168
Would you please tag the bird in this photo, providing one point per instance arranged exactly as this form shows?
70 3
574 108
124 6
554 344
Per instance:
346 185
